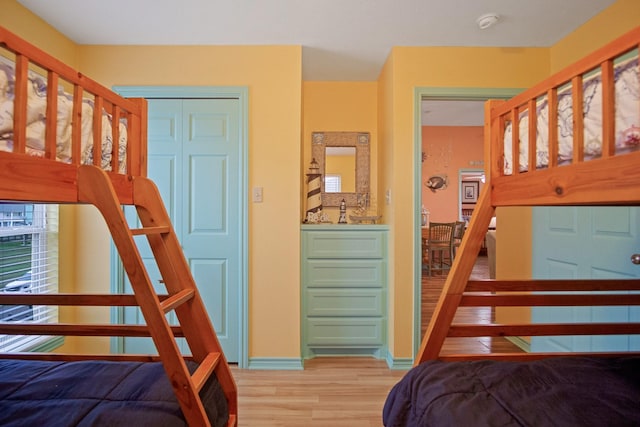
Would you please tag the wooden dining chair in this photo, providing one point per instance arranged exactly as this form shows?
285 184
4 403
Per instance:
458 233
440 246
425 239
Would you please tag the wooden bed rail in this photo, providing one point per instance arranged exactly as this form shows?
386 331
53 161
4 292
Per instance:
601 57
39 186
522 357
80 330
72 357
64 299
85 165
76 329
611 179
459 291
548 293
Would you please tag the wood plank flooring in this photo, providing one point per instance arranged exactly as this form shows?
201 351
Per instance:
334 392
344 391
431 289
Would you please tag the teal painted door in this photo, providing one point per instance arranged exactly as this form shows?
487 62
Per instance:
585 243
193 157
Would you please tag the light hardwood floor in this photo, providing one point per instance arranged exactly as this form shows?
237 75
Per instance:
329 392
431 289
344 392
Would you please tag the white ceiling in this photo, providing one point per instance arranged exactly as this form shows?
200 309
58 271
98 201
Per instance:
342 40
452 113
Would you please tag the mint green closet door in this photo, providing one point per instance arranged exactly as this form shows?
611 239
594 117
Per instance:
586 243
193 157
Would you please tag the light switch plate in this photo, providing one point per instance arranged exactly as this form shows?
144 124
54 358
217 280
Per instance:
257 194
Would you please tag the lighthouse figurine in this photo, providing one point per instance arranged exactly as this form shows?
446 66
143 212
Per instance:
343 212
314 196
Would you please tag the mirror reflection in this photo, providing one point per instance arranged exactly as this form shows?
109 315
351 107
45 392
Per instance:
340 170
352 165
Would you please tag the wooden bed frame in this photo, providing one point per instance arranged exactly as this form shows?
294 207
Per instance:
609 180
45 180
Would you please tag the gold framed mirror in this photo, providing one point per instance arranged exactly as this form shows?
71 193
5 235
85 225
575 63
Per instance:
354 151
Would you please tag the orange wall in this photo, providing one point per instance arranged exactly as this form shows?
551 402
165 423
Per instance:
448 150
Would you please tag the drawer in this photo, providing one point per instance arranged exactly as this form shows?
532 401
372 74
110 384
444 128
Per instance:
341 302
344 273
345 244
347 332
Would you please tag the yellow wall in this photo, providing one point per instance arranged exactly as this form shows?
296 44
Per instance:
386 122
622 16
272 75
339 107
407 69
513 231
25 24
345 167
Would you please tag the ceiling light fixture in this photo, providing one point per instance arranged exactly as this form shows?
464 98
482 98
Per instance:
487 20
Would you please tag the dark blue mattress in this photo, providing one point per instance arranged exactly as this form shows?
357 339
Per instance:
572 391
96 393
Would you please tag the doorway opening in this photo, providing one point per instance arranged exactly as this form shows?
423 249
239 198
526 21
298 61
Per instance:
453 108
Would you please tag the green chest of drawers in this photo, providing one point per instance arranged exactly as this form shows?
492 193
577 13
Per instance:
344 290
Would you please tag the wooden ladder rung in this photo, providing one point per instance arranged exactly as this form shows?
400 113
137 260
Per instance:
177 299
161 229
94 186
202 374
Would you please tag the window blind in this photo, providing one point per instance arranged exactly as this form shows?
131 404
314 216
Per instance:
28 264
332 183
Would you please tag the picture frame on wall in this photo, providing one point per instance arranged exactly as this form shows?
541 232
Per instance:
470 191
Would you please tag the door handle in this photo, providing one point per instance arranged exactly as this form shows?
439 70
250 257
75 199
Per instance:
635 259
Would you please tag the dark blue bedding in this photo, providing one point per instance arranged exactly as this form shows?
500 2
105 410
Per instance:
96 393
572 391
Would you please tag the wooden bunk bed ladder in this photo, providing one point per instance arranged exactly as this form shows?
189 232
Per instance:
457 279
94 186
